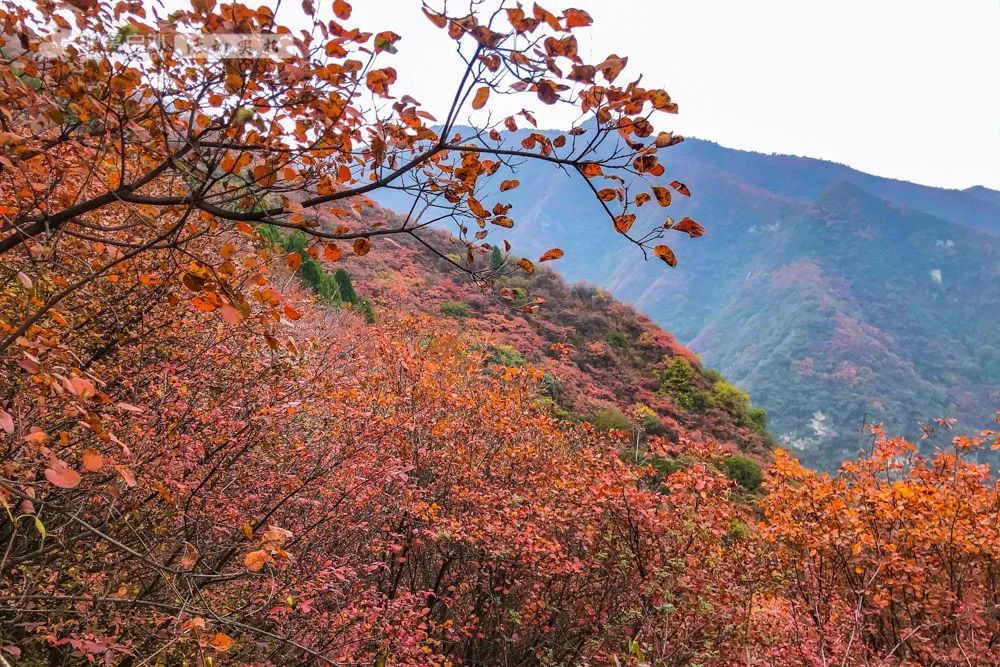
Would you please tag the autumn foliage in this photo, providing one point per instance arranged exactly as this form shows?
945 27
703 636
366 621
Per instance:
204 460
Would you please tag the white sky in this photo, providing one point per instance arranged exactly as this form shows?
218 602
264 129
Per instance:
908 89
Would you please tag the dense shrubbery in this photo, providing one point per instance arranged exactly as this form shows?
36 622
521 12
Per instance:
455 308
355 494
745 472
611 419
686 386
201 461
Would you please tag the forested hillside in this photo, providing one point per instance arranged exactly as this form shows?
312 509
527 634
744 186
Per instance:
605 362
833 297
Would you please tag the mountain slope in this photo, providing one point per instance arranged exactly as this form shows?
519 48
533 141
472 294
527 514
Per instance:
604 361
832 296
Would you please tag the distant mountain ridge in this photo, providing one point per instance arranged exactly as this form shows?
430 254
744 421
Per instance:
833 296
804 178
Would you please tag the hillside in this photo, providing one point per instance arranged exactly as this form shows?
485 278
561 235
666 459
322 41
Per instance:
604 361
833 297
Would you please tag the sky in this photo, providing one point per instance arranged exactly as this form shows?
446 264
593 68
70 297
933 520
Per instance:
907 89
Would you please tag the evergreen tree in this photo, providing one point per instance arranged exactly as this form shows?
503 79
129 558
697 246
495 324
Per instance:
343 280
496 259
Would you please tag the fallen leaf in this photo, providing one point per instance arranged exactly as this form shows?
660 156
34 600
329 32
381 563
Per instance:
64 478
92 460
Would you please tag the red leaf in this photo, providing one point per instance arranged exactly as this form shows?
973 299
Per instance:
64 478
230 315
126 474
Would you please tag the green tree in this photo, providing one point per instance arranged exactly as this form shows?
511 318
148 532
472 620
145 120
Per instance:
496 259
745 472
343 280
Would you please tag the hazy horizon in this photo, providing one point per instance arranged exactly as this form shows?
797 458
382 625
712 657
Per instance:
905 100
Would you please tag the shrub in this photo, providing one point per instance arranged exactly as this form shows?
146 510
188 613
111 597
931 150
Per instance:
758 420
504 355
551 386
365 306
455 308
737 531
654 426
616 339
679 380
664 465
608 419
745 472
737 403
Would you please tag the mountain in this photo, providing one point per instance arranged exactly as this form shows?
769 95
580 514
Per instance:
834 297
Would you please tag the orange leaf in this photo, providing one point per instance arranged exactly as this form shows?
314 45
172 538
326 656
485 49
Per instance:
362 246
525 264
437 19
230 315
64 478
664 139
509 185
663 195
688 225
190 558
126 474
577 18
332 252
255 560
222 642
291 313
477 208
341 10
480 98
624 222
294 260
36 438
591 169
553 253
681 188
666 254
92 460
